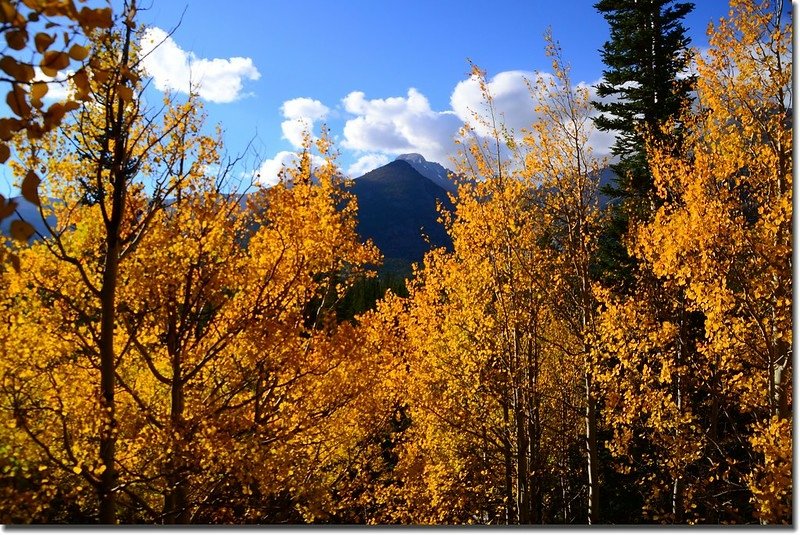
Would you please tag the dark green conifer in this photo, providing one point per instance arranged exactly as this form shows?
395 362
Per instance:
644 85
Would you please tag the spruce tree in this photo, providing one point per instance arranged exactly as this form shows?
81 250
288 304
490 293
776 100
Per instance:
645 84
646 58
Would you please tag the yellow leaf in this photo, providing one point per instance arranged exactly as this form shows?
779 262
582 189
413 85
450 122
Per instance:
14 259
77 469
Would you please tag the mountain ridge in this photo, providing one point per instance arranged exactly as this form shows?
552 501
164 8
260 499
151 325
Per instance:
433 171
397 209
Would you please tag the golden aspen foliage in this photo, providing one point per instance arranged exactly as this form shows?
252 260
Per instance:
560 160
644 376
175 352
232 378
495 371
723 233
54 37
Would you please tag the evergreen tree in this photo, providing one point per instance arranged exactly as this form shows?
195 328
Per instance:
645 85
645 56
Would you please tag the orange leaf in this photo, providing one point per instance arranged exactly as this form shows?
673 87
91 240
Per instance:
125 93
54 61
20 72
100 75
17 39
21 230
43 41
38 90
17 101
6 208
78 52
8 126
8 13
95 18
81 81
53 115
30 187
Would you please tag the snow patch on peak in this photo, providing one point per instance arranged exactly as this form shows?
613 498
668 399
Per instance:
433 171
412 157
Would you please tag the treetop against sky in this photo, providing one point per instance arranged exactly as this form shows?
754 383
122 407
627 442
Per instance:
386 79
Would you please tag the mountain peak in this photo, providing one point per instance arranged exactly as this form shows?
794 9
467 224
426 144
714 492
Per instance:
396 206
414 157
433 171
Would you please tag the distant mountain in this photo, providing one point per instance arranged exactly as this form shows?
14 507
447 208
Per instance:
607 181
396 206
433 171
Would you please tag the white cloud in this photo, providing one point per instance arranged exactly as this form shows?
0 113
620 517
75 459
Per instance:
378 129
56 90
304 107
515 105
301 114
294 130
367 163
172 68
395 125
399 124
268 173
513 102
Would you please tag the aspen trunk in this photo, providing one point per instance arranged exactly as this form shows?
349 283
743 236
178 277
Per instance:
105 489
523 497
176 508
108 303
592 461
509 477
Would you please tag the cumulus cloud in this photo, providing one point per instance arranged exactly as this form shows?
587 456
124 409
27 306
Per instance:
56 90
367 163
301 114
172 68
268 173
390 126
515 104
396 125
304 107
380 128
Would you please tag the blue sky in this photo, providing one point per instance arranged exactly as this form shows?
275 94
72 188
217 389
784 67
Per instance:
346 58
385 77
